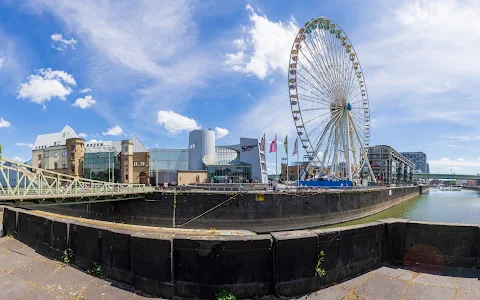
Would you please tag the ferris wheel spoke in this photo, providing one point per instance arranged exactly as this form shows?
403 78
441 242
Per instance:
321 100
312 93
325 84
326 90
304 80
322 136
320 61
316 118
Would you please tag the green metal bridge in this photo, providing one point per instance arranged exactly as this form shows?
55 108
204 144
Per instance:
446 176
27 185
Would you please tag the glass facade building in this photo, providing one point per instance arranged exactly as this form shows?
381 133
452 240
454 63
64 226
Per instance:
101 166
168 159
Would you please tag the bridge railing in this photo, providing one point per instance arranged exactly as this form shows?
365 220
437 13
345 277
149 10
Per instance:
20 180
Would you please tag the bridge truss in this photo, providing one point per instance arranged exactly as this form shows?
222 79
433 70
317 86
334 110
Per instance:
28 185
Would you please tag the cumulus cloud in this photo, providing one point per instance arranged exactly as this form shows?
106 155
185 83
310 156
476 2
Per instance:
46 84
24 145
85 90
265 46
220 132
60 44
175 123
16 158
82 135
115 131
84 103
1 62
4 123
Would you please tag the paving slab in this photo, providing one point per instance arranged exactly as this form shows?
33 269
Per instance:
436 280
40 293
381 287
331 293
12 287
68 281
13 260
426 292
104 290
27 251
12 244
35 271
354 283
468 294
391 271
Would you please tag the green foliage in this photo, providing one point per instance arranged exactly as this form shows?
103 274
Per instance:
226 295
67 256
96 271
10 235
319 271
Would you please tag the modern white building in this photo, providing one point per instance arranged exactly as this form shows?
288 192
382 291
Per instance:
243 162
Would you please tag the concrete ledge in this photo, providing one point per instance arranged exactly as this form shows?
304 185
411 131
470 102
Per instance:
9 221
296 256
203 266
151 259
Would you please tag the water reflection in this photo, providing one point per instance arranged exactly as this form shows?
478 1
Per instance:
435 206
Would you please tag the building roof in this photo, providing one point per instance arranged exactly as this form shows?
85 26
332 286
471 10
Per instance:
54 139
94 146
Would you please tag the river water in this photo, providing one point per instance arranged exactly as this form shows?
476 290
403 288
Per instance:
434 206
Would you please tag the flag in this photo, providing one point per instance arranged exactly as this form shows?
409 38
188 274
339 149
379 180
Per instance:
285 144
295 146
273 145
262 143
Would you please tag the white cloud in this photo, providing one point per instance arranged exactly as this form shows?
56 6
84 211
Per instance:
404 57
85 90
16 158
444 159
82 135
45 85
84 103
60 43
115 130
460 159
267 44
24 145
1 62
4 123
175 123
221 132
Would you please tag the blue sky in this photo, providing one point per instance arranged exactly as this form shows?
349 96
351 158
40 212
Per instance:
157 69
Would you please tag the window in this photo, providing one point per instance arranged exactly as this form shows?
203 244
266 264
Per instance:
73 168
39 156
142 164
126 149
135 164
72 155
64 153
56 154
39 165
54 143
55 165
126 177
73 147
64 164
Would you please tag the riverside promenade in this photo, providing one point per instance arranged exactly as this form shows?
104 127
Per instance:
25 274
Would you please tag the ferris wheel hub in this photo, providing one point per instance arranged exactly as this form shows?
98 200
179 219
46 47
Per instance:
349 106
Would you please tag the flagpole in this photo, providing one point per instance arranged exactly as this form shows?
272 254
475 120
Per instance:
298 166
286 152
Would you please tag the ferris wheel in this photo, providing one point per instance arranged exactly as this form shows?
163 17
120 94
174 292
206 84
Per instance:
329 101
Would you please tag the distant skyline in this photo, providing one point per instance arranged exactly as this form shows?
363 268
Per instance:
158 69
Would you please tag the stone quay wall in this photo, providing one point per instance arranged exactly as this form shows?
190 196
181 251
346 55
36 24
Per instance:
280 263
258 212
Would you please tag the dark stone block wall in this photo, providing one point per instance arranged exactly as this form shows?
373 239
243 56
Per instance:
261 213
280 263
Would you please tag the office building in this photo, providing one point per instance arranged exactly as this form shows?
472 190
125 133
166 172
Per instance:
60 152
419 160
389 166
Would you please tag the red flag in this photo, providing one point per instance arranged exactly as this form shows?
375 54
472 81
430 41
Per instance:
273 145
295 146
